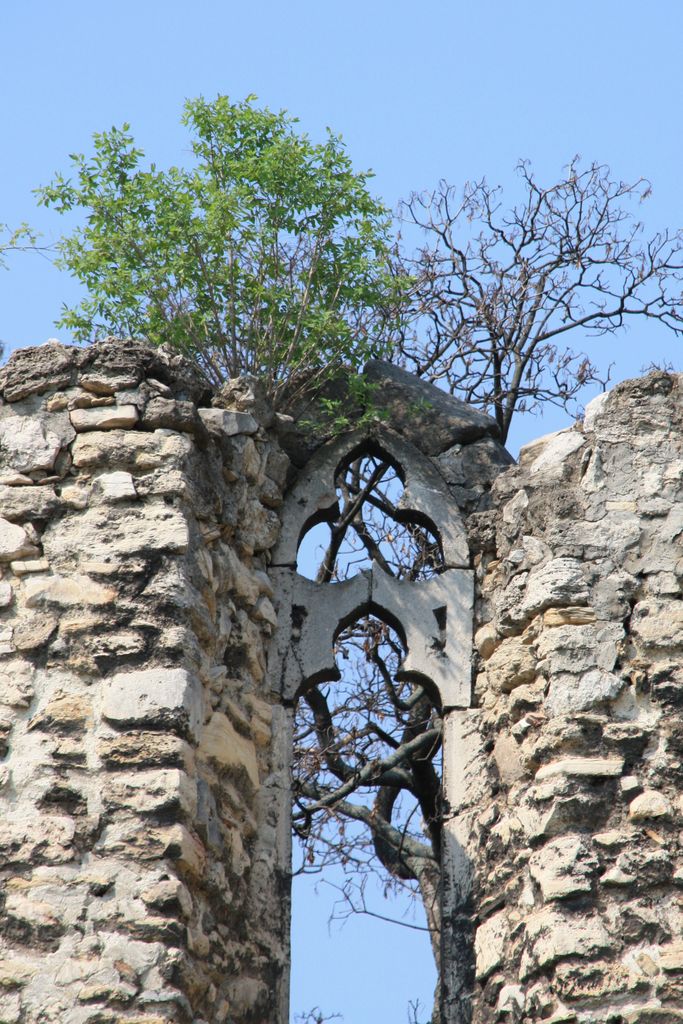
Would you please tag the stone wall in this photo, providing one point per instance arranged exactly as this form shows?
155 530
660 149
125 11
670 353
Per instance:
145 746
568 801
142 765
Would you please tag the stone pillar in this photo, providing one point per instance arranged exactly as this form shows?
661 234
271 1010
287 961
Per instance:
143 856
572 811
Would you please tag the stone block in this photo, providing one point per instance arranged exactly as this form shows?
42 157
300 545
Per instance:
27 444
563 868
64 714
162 791
658 624
111 417
220 742
511 664
66 591
228 422
559 582
116 486
570 694
489 944
582 767
547 456
14 542
650 804
164 698
144 750
553 936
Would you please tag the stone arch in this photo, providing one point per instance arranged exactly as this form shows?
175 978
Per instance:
312 499
434 616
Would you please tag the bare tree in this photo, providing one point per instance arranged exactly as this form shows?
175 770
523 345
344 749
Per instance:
496 293
367 755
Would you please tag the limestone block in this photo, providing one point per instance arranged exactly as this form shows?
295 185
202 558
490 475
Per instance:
222 743
63 714
153 792
16 972
171 414
573 694
582 767
23 567
159 697
593 410
105 531
66 591
6 593
558 582
27 444
554 936
671 956
508 760
144 750
658 624
547 456
578 649
116 448
30 371
489 943
228 421
563 868
486 639
185 849
117 486
650 804
511 664
14 542
111 417
569 616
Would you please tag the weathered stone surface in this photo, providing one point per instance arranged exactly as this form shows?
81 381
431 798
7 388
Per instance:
490 944
111 417
431 419
649 804
590 767
554 936
27 444
117 486
548 455
222 743
564 868
31 371
66 591
64 714
143 825
511 664
658 623
161 697
580 693
228 421
14 542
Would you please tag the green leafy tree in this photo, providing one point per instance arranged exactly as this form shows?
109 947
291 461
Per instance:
21 239
268 255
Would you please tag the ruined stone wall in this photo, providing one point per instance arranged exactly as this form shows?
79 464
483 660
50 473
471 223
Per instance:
144 747
142 778
566 794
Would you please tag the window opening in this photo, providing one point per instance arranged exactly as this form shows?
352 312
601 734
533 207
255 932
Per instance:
369 525
367 780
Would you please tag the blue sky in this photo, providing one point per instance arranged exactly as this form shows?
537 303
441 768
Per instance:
419 92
